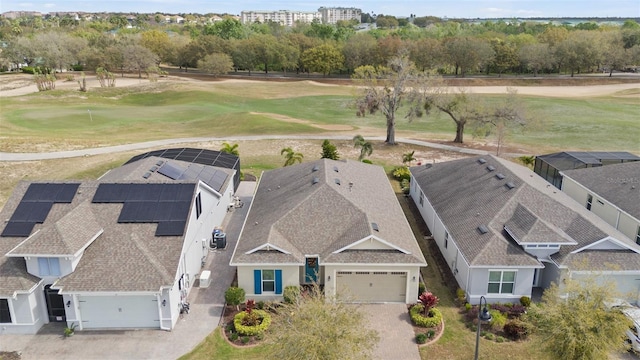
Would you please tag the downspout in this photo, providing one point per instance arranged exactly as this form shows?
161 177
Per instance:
618 220
467 284
76 309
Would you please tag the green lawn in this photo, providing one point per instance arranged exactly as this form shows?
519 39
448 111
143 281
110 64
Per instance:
69 119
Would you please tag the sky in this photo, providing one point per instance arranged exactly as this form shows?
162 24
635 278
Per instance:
439 8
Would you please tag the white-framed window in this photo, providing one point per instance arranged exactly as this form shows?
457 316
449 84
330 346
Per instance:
501 282
446 239
421 198
268 281
638 236
589 201
49 266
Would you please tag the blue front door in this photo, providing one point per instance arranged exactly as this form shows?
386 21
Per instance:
311 269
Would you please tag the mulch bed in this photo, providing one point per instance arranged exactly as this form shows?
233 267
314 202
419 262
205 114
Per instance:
10 355
438 330
227 318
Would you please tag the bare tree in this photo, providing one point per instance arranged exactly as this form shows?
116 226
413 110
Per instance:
386 89
461 106
216 64
138 58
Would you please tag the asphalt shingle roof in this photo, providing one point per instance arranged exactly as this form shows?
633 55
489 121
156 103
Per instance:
323 206
466 194
619 184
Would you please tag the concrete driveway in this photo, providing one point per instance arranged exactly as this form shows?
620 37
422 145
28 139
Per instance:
204 316
397 340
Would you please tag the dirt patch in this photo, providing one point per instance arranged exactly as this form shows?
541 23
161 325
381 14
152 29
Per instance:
284 118
10 355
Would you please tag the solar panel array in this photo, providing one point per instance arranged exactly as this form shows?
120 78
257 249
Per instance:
211 176
165 204
197 156
35 206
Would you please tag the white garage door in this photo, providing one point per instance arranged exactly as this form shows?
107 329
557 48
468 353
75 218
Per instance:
372 286
100 312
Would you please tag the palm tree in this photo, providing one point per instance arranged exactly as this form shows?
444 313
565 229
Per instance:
366 148
408 157
290 156
230 149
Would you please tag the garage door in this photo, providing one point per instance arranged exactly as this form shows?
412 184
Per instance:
370 286
100 312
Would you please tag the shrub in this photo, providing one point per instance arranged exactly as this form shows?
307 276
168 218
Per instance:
434 319
245 339
234 337
28 70
259 336
401 173
234 296
404 183
421 287
467 306
516 311
77 67
428 300
461 296
517 329
291 294
421 338
264 322
431 334
500 339
498 320
525 301
367 161
260 305
229 327
489 336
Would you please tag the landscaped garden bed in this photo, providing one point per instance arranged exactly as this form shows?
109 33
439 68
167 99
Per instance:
246 324
426 319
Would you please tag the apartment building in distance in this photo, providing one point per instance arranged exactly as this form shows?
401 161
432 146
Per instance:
289 18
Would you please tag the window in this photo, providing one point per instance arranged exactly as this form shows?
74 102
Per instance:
269 281
501 282
198 205
589 201
446 239
638 236
421 197
49 266
5 314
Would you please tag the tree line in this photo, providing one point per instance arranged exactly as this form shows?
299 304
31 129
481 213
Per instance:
444 47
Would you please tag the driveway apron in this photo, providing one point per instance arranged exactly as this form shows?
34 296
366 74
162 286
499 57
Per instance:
397 340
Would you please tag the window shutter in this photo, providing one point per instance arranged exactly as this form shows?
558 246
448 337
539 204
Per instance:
257 282
278 281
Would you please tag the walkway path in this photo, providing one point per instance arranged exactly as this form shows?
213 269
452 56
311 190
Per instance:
5 156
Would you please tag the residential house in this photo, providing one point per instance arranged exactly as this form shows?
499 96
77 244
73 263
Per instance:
549 166
504 231
121 252
612 193
334 223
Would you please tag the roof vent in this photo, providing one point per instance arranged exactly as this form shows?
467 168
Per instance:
153 168
491 168
500 176
159 163
483 229
146 175
315 180
315 168
335 168
482 161
510 185
337 181
374 226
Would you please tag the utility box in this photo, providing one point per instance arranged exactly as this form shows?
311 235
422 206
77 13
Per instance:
220 240
205 278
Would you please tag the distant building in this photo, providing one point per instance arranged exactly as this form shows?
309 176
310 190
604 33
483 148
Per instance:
334 14
19 14
283 17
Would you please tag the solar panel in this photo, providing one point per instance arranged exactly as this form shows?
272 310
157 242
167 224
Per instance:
39 212
111 193
180 210
17 229
129 212
35 192
170 228
185 192
171 171
163 212
168 193
67 192
147 211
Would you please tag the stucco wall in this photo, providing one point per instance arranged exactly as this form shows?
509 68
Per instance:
479 280
27 313
290 276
